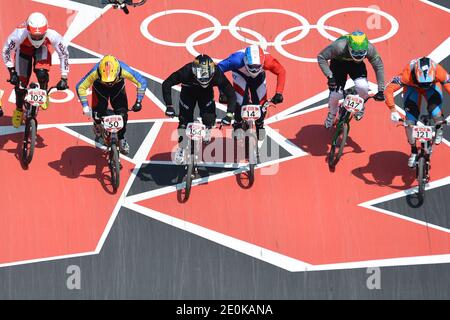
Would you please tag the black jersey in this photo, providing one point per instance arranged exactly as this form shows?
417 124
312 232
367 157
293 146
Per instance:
187 79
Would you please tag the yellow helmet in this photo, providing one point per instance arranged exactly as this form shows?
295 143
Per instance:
109 69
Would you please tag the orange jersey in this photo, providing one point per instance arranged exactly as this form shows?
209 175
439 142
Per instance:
405 79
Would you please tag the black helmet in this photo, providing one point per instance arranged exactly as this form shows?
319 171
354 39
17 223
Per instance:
203 68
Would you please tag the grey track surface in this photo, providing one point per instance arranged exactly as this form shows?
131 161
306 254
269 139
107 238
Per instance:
145 259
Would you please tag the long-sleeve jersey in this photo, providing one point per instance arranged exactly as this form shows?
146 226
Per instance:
236 62
339 50
125 73
185 76
19 37
405 79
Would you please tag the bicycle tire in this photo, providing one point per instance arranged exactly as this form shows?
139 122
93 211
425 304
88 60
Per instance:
343 141
251 152
29 141
188 179
421 177
114 166
339 140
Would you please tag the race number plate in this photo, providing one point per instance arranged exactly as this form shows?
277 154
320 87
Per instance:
353 103
36 97
423 133
195 131
113 123
251 112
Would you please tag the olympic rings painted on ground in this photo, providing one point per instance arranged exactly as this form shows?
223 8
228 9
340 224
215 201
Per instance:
148 20
190 40
305 30
325 17
278 42
69 96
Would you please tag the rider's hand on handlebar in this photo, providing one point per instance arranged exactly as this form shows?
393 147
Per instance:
277 98
87 111
13 77
137 106
395 116
62 84
170 111
379 96
332 85
226 121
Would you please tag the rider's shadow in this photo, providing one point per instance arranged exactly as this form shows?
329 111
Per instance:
74 160
315 139
384 167
17 140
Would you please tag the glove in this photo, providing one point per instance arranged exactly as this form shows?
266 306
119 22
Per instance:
62 84
227 119
447 120
1 112
87 111
277 98
379 96
395 116
332 85
13 77
170 111
137 106
223 98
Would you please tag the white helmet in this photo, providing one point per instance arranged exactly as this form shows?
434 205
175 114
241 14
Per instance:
37 28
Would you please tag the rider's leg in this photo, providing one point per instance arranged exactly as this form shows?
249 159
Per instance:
188 100
42 63
358 73
99 107
24 63
258 92
119 103
241 89
434 100
412 108
208 113
340 75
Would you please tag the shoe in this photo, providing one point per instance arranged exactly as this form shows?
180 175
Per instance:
439 136
124 147
412 160
359 115
207 137
179 156
329 121
46 104
17 118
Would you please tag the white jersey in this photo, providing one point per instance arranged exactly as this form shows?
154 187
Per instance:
19 37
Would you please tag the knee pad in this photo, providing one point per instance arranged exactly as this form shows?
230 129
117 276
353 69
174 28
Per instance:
43 77
334 101
362 87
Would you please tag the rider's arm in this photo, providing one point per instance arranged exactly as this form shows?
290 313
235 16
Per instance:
61 47
12 43
233 62
84 84
335 49
377 65
402 79
136 78
443 77
275 67
226 88
175 78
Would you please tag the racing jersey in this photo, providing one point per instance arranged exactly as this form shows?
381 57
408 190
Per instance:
125 73
19 37
186 77
405 79
339 50
236 62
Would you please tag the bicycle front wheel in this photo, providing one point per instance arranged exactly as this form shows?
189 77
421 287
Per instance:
29 141
188 179
421 177
338 144
114 165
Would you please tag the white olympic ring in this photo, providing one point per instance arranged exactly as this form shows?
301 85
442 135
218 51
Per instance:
306 26
190 40
261 40
69 96
146 22
325 17
279 41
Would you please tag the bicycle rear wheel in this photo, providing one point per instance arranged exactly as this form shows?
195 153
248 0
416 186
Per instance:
114 165
29 141
338 143
421 176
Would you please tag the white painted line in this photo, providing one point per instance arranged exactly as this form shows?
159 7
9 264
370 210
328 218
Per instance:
284 142
144 149
436 5
68 256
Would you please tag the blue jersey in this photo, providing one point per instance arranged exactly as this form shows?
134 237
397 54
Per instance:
233 62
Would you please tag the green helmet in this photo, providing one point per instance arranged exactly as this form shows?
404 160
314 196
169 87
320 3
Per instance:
358 45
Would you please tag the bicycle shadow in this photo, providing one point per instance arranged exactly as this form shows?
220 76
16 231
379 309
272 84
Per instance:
74 160
384 167
315 139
